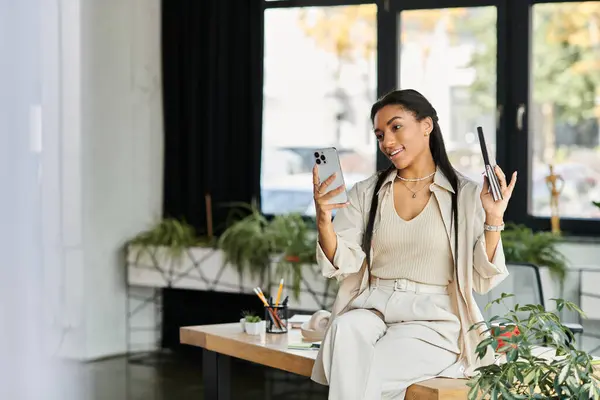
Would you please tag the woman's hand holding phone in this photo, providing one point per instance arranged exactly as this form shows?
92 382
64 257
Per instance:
322 195
327 237
494 209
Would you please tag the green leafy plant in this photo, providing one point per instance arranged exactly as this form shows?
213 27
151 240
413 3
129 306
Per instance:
250 317
521 244
173 235
246 242
596 203
538 362
294 243
251 242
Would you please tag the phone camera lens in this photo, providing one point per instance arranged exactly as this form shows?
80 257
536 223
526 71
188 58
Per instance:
323 158
318 161
316 154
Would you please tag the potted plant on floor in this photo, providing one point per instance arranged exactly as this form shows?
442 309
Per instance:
539 362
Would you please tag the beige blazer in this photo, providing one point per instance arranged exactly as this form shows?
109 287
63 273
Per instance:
474 271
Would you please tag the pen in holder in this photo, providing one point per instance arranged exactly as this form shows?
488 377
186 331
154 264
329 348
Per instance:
276 318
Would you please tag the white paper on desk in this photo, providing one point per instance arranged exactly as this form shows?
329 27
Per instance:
299 318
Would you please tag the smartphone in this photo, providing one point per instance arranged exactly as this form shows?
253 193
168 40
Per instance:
489 168
328 163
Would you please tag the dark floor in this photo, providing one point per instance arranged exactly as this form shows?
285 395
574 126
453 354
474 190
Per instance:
167 376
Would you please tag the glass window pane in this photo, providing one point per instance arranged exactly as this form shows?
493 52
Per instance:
449 55
565 107
319 84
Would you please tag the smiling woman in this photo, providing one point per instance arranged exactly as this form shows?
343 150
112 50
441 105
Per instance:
408 260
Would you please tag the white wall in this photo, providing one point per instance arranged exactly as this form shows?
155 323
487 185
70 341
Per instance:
109 166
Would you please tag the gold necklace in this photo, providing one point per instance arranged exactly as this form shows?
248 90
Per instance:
414 192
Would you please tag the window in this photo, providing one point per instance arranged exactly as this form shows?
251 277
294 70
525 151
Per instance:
564 108
449 55
527 72
319 84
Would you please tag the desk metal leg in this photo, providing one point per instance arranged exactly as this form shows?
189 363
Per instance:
216 370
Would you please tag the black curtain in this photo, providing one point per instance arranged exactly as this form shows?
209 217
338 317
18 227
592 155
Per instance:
212 62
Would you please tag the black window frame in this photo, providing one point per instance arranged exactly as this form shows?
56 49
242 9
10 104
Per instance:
520 63
512 88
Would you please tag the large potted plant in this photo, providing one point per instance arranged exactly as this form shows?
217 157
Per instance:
536 357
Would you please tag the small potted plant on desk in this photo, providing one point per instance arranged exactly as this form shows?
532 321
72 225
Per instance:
252 324
536 358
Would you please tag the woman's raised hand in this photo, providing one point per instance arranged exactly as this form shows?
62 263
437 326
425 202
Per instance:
322 196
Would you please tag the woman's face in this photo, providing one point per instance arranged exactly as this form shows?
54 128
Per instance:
401 137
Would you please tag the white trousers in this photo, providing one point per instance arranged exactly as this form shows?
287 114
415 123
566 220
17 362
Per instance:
370 357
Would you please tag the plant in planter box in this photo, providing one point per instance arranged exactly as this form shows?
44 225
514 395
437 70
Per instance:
170 234
246 242
537 358
294 246
521 244
251 242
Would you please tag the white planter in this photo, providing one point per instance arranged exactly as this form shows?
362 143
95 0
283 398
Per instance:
202 268
199 268
255 328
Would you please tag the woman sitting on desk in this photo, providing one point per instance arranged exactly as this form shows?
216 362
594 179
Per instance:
409 248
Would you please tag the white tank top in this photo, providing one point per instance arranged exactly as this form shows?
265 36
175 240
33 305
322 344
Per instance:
418 250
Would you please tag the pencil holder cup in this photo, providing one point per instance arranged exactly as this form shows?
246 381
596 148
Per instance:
276 318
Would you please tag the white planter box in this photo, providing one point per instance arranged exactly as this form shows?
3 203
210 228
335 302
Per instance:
201 268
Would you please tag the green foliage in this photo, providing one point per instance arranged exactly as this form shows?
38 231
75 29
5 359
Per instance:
250 317
246 243
174 235
251 242
521 244
295 244
527 370
596 203
169 232
565 71
483 58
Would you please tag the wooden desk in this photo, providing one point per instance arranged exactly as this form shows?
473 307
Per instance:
220 342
